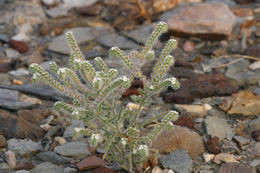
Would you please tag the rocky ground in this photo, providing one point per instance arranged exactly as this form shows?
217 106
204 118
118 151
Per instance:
217 62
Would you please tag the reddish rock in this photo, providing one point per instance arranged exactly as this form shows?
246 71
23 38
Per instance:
133 89
179 138
2 141
90 162
200 87
12 126
243 12
207 21
212 145
24 166
243 103
20 46
236 168
185 121
103 169
256 135
188 46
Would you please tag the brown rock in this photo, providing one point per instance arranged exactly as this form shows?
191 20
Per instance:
35 57
243 103
34 116
24 166
11 126
236 168
243 12
8 66
179 138
208 21
20 46
185 121
195 111
212 145
253 51
133 89
2 141
243 1
103 169
90 162
199 87
163 5
256 135
91 10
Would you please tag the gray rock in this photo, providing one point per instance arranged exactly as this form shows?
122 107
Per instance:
206 171
218 127
52 157
256 91
4 79
47 167
115 62
81 34
4 38
19 72
228 146
114 40
69 130
11 53
36 90
70 170
255 162
240 74
4 166
252 125
179 161
140 35
24 148
77 149
9 99
241 140
22 171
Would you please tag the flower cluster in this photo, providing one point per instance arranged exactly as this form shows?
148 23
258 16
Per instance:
96 92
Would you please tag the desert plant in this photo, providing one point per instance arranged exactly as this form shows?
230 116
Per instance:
110 124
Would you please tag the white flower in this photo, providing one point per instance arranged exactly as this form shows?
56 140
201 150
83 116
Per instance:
123 142
144 148
134 151
151 87
61 71
172 80
97 79
124 78
77 130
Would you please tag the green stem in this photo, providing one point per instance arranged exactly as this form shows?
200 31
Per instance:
107 146
152 119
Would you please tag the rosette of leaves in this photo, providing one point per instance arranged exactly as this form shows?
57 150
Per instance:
96 97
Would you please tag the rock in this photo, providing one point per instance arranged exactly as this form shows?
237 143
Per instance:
255 65
25 148
243 1
195 111
243 103
4 38
12 54
179 138
36 90
228 146
60 140
51 2
236 168
11 126
209 21
90 162
218 127
90 10
47 167
114 40
103 169
188 46
34 57
24 165
212 145
178 161
255 149
185 121
70 170
241 140
34 115
256 135
255 162
20 46
252 125
256 91
227 158
4 166
52 157
2 141
10 159
243 12
76 149
140 35
240 77
159 170
69 130
199 87
81 34
22 171
19 72
208 157
8 66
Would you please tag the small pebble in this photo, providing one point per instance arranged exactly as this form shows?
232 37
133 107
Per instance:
188 46
10 158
